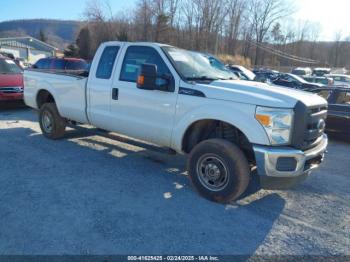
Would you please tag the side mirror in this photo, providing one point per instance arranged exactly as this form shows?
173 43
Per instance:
147 77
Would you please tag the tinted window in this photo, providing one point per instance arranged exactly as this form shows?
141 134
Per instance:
105 66
44 63
59 64
299 72
343 98
39 64
76 65
136 56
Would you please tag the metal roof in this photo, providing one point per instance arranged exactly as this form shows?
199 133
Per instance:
27 42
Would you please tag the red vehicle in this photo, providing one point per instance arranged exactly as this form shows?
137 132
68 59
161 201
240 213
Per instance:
11 80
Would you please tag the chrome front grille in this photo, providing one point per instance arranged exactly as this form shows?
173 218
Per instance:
11 90
315 126
309 125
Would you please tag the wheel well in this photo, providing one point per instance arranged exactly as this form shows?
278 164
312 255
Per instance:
43 97
208 129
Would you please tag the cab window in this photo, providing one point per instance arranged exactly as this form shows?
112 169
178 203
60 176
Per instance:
106 63
136 56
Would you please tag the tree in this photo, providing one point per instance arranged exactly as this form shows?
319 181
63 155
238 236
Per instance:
264 13
337 47
42 36
71 51
233 25
83 43
100 21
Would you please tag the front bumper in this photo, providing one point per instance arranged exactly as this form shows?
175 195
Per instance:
11 96
287 162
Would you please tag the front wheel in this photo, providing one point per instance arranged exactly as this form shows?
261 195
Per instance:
51 123
218 170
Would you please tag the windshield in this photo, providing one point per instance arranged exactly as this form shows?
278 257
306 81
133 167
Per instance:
298 78
195 66
299 72
8 66
216 63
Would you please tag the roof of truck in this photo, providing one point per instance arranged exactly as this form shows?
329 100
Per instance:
139 43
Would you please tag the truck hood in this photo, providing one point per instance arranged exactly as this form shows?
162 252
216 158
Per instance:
257 93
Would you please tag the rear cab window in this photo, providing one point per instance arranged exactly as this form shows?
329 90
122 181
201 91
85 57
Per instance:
106 63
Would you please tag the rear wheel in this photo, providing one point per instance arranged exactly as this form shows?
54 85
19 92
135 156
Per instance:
218 170
52 125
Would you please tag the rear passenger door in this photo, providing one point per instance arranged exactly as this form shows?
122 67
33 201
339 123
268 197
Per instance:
100 86
144 114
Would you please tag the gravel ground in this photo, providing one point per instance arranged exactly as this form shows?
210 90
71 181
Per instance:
97 193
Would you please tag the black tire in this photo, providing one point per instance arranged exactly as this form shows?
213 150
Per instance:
58 124
233 176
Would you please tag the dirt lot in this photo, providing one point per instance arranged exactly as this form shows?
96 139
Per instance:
96 193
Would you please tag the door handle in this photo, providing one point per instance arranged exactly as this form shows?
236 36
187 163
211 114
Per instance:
115 93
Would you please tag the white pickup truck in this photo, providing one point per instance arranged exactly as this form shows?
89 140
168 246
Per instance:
174 98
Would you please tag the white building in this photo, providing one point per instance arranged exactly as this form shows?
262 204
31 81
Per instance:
27 48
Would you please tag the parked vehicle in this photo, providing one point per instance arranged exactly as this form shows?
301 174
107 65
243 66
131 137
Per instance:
242 72
321 71
340 80
214 62
338 119
294 81
265 75
61 64
302 71
327 81
11 80
168 96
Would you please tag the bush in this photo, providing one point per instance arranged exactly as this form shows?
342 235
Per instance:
236 60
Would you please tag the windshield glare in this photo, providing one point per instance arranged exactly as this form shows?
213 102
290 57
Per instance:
195 66
7 66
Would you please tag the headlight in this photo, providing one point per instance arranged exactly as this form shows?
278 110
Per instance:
277 123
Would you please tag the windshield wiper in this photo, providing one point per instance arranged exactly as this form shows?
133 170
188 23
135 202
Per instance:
201 78
229 78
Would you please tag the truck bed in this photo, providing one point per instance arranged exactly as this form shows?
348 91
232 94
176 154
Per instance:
69 92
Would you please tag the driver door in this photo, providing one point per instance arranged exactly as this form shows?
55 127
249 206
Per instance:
144 114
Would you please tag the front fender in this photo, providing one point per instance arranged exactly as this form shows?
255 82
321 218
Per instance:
242 116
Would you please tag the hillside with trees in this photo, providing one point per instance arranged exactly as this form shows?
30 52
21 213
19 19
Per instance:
56 32
250 32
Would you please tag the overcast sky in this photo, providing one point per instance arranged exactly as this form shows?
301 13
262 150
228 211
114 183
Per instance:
333 16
